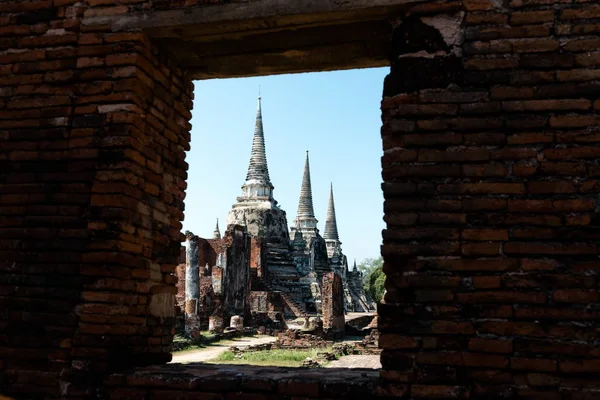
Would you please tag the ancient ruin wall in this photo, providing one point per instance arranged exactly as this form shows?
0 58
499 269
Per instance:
236 270
491 189
94 129
332 290
490 180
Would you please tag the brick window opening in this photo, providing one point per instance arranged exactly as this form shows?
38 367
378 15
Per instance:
490 185
274 260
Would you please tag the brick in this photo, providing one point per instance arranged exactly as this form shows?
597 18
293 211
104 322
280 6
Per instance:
549 248
576 296
535 45
531 17
484 264
491 63
485 170
533 364
486 282
580 366
490 346
483 188
546 105
484 360
439 391
501 297
480 249
485 234
581 13
393 341
551 187
572 153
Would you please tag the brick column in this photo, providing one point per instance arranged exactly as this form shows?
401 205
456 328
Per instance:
93 133
491 188
332 295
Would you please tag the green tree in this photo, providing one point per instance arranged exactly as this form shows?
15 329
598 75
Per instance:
373 277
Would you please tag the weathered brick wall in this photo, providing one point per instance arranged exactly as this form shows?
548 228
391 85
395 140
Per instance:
258 258
207 253
332 295
93 130
490 180
196 381
491 203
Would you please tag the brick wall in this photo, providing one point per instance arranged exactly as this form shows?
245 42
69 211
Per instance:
490 182
332 297
94 129
491 202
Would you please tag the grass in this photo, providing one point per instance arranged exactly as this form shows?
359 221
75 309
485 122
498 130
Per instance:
273 358
205 342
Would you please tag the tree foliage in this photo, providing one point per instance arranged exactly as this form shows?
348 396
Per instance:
373 277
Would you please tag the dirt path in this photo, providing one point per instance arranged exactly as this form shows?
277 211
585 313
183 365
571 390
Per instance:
356 361
214 350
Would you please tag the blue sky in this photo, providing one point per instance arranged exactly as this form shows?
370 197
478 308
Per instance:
334 115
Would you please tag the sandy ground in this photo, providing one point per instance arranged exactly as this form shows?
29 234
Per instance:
213 351
356 361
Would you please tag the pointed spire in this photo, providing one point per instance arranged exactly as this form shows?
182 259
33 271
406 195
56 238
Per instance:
217 232
331 231
355 268
257 169
305 206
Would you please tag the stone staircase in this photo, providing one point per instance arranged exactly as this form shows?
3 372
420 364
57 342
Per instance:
296 308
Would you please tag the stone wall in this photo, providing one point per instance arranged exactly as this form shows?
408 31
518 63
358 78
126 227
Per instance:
490 172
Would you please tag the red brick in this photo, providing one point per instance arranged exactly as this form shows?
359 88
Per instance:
394 341
531 17
533 364
581 13
483 188
551 187
295 388
480 249
490 346
576 296
550 248
580 366
501 297
486 282
485 234
439 392
485 360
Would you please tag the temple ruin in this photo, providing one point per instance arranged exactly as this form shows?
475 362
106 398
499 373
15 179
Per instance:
260 268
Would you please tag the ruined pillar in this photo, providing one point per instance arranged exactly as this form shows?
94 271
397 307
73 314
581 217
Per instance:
192 275
333 305
192 286
490 138
236 270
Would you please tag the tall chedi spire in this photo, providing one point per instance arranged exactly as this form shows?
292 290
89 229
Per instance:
331 235
258 172
217 232
256 209
331 231
305 206
305 217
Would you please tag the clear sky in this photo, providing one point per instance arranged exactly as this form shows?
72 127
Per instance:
334 115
